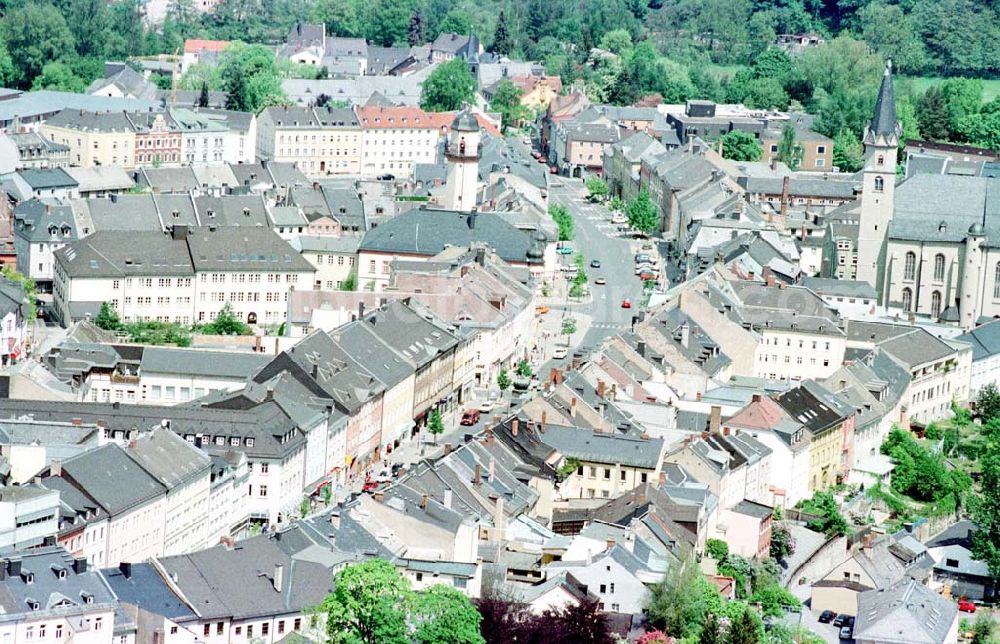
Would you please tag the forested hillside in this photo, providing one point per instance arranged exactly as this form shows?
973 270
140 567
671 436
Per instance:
680 49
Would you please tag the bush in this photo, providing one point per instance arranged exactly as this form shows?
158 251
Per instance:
716 549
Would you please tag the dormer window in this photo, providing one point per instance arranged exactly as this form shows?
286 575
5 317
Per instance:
29 577
87 597
33 604
249 442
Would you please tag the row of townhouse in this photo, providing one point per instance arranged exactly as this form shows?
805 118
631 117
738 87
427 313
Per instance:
478 293
370 141
185 276
169 137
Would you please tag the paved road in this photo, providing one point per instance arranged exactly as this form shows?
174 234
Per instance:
597 238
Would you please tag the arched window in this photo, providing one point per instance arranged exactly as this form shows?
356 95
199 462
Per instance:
907 299
879 184
936 304
939 267
910 267
996 282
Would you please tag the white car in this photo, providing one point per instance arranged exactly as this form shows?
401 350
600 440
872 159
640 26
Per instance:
559 353
619 219
486 407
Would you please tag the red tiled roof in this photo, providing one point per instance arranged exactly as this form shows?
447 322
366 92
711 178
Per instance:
374 117
193 45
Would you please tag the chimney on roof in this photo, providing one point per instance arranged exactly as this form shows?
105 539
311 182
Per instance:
614 392
774 162
490 439
279 577
80 565
697 396
478 477
572 407
447 449
423 502
447 498
685 334
493 467
755 398
600 389
379 497
640 348
784 196
514 424
611 543
768 276
541 427
663 477
126 569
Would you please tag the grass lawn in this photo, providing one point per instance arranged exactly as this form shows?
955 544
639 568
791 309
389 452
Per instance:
991 86
724 71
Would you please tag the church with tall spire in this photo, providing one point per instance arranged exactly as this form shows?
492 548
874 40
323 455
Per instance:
929 244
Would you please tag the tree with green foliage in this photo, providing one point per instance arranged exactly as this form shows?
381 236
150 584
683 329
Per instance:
984 506
617 41
983 629
502 45
524 369
368 605
789 150
507 101
415 30
327 494
920 473
774 600
564 221
982 129
226 323
683 600
933 116
964 97
449 87
503 379
35 34
848 152
716 549
740 146
988 402
890 32
746 628
597 188
829 519
435 423
933 432
305 506
249 74
568 328
107 318
351 283
443 615
203 95
711 632
740 569
782 542
641 213
58 76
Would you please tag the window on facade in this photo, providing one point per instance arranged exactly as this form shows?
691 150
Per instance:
910 266
996 282
879 184
907 299
939 267
935 304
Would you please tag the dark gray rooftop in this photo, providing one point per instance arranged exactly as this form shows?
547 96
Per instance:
112 479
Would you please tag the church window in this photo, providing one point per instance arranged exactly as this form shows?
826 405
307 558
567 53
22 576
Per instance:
935 304
939 267
910 266
881 160
907 299
879 184
996 282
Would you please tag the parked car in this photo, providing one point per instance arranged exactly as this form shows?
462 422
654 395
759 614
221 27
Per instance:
600 281
470 417
541 309
559 353
486 406
641 257
841 620
826 616
646 276
565 250
626 303
619 219
845 632
966 606
595 263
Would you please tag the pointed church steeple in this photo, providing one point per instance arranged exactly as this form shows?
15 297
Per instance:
884 124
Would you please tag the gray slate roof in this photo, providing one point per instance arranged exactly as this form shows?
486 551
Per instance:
602 447
112 479
428 232
169 458
985 340
906 613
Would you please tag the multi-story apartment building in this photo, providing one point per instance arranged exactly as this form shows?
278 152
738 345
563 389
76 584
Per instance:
394 139
831 423
185 277
319 141
156 137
